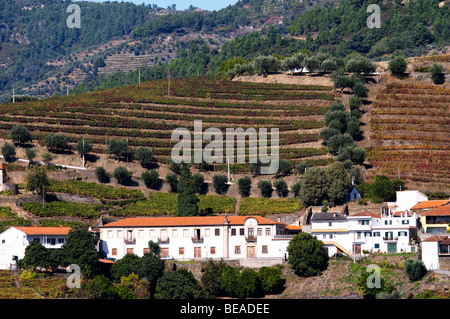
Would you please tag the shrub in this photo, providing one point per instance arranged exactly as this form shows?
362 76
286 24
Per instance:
284 167
145 156
437 73
199 183
307 255
301 167
295 189
397 66
415 269
122 175
265 187
270 279
244 186
56 142
8 151
118 148
20 135
281 188
172 180
220 183
102 175
151 179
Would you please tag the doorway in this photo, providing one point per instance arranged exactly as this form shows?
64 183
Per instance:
251 251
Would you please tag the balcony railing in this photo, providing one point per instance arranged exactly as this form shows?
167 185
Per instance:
390 238
129 240
164 240
250 239
197 239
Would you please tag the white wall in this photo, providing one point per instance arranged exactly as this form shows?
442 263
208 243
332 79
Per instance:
430 254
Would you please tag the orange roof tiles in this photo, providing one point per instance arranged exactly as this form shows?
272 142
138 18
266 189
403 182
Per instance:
440 211
435 238
187 221
45 230
294 227
431 203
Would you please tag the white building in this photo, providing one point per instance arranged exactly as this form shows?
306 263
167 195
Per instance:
405 200
366 231
200 237
14 240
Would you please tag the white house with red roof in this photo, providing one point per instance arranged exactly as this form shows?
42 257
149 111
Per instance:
199 237
14 240
365 231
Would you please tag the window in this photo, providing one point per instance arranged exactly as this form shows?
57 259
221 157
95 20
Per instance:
217 231
388 222
405 222
267 231
367 234
402 233
331 236
185 232
388 235
60 240
152 233
233 231
377 246
130 251
119 233
364 222
358 235
259 232
241 231
237 250
174 232
330 224
3 241
181 251
265 250
114 252
376 234
212 250
141 233
145 251
110 234
207 232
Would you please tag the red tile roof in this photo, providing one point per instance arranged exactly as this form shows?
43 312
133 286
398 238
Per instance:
436 238
187 221
366 214
45 230
440 211
431 203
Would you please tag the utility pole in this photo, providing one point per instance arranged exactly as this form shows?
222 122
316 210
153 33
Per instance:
139 69
168 84
14 96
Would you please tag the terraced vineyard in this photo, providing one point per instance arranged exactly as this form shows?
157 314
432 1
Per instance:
411 132
146 115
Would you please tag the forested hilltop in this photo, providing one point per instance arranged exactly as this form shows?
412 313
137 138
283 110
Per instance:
40 56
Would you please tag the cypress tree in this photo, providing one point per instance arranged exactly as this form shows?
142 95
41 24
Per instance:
187 199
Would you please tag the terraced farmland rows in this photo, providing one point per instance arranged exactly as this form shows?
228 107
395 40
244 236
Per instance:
146 115
410 132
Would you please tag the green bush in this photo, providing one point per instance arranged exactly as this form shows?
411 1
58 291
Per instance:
244 186
415 269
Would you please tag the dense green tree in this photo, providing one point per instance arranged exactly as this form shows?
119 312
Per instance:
20 135
314 187
37 180
145 156
151 179
284 167
437 73
211 278
56 142
244 186
397 65
172 180
8 151
307 255
176 285
270 279
201 187
118 148
281 188
220 183
122 175
415 269
187 199
30 155
124 266
150 267
101 174
80 248
265 187
36 255
100 288
83 147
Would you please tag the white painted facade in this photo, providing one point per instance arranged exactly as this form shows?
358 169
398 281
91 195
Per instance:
14 240
187 238
430 254
370 232
405 200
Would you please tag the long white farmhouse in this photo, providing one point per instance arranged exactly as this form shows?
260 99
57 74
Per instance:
200 237
14 240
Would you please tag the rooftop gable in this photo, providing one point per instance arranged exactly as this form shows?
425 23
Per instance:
366 214
328 216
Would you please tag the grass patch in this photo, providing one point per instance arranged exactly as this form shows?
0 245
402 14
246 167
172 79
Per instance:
263 206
